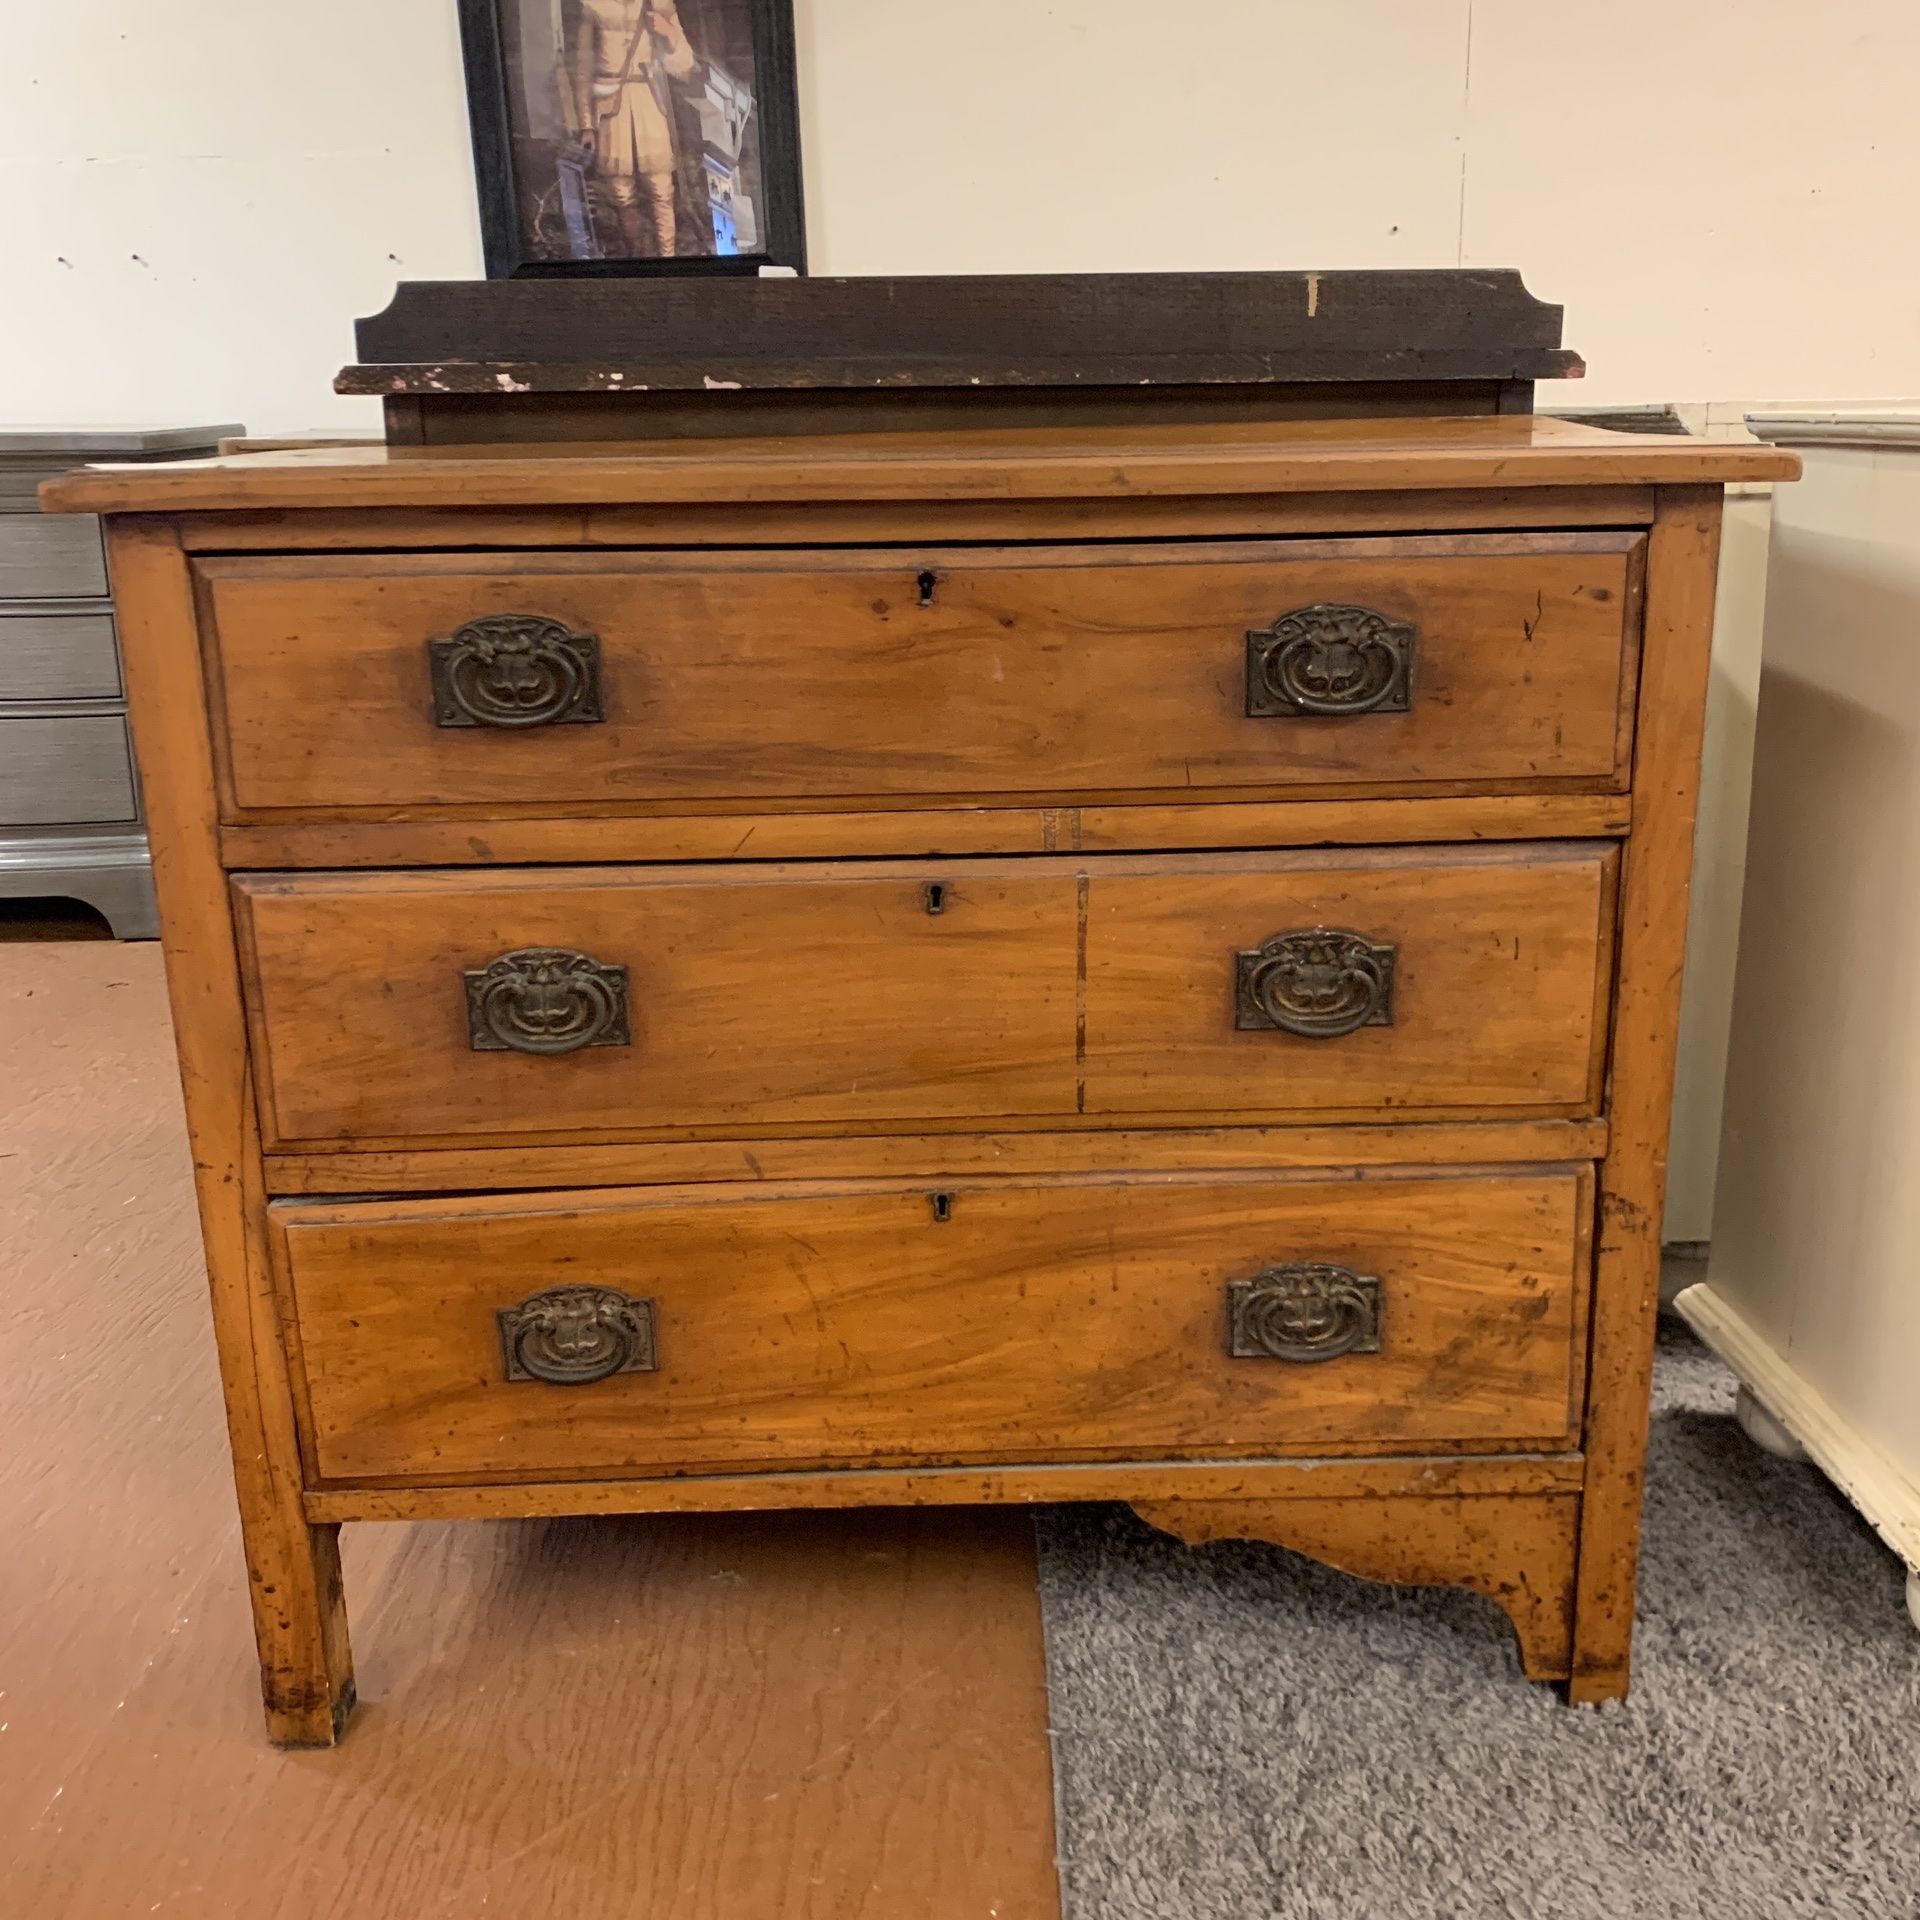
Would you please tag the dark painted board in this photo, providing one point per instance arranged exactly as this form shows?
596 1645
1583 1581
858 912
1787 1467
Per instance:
486 418
1025 330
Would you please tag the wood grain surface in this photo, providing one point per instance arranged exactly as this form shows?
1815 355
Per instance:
721 523
1501 967
841 999
930 672
293 1566
1517 1549
1334 1477
1682 571
936 1156
1079 1319
914 831
1265 457
758 996
772 997
764 1717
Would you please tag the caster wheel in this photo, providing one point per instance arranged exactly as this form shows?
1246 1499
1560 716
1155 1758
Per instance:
1765 1431
1913 1595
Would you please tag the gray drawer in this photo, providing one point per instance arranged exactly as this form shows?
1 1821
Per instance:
57 656
51 556
65 772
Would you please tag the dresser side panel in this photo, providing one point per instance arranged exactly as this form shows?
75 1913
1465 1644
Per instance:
293 1565
1682 559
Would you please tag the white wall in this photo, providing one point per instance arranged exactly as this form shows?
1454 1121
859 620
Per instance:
198 196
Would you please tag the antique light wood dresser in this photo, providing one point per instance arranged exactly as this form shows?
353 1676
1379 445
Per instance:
811 893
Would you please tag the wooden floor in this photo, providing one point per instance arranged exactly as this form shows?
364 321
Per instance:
751 1718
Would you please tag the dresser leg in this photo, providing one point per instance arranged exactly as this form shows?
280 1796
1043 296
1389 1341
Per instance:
1515 1549
1676 648
300 1626
123 897
1596 1689
293 1569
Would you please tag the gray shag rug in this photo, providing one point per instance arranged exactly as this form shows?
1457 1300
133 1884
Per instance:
1243 1735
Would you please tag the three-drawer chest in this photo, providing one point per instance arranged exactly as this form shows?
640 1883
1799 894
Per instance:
1120 953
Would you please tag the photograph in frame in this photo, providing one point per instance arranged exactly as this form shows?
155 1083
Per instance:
634 136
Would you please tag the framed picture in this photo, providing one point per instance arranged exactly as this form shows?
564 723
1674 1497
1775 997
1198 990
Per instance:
634 136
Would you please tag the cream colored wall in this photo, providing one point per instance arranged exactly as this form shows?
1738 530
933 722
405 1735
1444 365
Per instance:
1719 865
197 198
1720 844
1820 1211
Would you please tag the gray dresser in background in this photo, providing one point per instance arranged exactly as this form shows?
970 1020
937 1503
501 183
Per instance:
70 823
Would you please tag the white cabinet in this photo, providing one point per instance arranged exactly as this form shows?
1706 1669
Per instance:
1812 1292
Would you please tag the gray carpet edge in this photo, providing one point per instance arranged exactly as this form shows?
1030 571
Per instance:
1239 1733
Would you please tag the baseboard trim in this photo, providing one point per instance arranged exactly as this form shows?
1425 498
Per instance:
1888 1499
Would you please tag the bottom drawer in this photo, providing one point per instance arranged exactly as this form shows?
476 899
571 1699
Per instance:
592 1334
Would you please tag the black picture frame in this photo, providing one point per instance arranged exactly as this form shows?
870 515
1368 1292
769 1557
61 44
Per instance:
776 104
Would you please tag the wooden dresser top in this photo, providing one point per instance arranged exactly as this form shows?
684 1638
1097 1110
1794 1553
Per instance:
1003 463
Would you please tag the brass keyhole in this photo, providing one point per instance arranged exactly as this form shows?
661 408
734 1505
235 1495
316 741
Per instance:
936 897
927 582
942 1204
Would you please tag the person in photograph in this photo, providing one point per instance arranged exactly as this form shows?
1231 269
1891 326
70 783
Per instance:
626 54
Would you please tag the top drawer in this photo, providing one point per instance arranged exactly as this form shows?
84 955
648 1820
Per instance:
567 682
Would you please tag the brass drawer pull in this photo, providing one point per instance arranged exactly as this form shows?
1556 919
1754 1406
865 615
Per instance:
573 1336
1329 660
1318 982
515 670
547 1000
1312 1311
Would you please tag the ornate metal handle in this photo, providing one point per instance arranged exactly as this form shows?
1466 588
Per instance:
515 670
1319 983
1329 659
1312 1311
573 1336
547 1000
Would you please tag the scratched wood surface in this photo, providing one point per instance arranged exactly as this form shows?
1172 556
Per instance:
1032 1320
1517 1549
912 831
807 675
779 1717
844 995
1001 464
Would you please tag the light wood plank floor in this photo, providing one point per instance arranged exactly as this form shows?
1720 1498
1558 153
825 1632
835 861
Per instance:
791 1717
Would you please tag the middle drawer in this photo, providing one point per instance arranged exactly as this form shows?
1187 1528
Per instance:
611 1002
